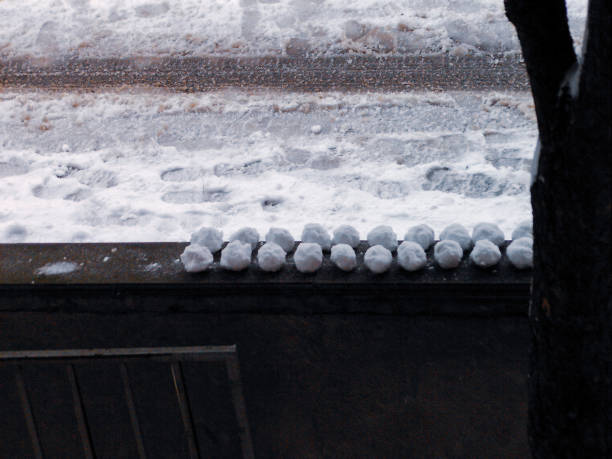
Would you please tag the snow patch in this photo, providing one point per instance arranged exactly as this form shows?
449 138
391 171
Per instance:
60 267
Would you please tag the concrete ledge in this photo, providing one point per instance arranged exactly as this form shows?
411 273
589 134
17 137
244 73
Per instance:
355 73
142 277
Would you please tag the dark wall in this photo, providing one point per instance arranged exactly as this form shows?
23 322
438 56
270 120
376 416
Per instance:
430 368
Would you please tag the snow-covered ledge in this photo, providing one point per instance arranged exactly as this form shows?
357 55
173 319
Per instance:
142 277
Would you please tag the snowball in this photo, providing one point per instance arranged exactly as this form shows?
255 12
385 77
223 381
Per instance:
488 231
378 259
520 253
208 237
196 258
271 257
421 234
308 257
246 235
411 256
525 229
282 237
236 256
457 233
343 256
346 234
485 254
316 129
313 232
448 253
383 235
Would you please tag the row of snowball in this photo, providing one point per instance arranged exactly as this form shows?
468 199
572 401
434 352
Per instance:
308 257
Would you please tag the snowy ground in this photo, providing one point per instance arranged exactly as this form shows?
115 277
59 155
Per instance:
121 28
155 166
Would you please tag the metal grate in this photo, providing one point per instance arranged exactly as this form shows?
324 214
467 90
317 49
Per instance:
173 355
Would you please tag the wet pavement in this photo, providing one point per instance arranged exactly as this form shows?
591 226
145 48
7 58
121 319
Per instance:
351 73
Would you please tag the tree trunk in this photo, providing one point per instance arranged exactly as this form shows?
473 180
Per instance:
570 380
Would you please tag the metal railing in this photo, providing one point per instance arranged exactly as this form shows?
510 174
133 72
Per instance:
173 355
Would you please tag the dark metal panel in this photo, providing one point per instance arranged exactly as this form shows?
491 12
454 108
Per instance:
129 397
183 401
79 412
27 412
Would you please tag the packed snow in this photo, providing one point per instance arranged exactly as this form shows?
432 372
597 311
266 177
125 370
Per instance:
421 234
448 253
236 256
520 253
116 28
378 259
271 257
281 237
308 257
458 233
210 238
485 253
196 258
488 231
247 235
346 234
156 166
315 232
411 256
343 256
383 235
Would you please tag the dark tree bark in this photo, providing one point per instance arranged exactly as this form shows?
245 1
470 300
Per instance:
570 380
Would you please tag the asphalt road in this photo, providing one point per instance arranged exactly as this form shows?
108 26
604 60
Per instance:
351 73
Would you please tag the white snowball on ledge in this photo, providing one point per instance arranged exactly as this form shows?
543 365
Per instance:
411 256
378 259
315 233
383 235
488 231
421 234
246 235
236 256
458 233
343 256
485 254
208 237
525 229
346 234
448 254
271 257
308 257
282 237
196 258
520 253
